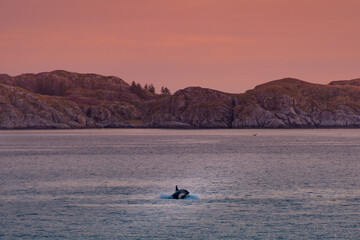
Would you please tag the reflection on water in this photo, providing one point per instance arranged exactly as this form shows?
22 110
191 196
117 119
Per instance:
106 184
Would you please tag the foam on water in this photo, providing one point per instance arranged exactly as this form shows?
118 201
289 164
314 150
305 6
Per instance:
192 196
169 196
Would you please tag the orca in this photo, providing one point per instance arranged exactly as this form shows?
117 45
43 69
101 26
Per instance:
180 194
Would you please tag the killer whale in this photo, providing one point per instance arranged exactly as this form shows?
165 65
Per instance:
180 194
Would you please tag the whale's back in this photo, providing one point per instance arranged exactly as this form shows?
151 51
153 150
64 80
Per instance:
180 194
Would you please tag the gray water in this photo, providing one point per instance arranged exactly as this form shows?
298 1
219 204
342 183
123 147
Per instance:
110 184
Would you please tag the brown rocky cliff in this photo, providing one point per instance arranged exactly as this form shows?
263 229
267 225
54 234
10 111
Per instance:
102 101
61 99
295 103
192 107
354 82
20 108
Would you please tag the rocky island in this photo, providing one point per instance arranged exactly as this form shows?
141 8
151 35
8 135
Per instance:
61 100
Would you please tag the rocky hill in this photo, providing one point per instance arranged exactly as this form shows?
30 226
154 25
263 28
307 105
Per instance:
62 99
294 103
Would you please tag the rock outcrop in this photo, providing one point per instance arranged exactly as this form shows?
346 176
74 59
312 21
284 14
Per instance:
20 108
354 82
297 104
192 107
62 99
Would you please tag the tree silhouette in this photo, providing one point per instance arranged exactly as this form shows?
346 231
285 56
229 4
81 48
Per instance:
165 90
151 88
138 90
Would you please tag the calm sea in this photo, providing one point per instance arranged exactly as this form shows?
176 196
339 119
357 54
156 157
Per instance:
114 184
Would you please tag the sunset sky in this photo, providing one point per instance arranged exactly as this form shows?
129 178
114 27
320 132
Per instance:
229 45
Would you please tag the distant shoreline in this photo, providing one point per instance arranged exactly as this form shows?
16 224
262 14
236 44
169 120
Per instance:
150 128
67 100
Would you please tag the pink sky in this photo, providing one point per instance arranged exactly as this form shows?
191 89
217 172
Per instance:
229 45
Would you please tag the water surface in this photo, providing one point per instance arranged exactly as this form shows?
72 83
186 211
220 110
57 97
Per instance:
108 184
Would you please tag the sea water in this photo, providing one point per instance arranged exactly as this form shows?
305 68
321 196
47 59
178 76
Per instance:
116 184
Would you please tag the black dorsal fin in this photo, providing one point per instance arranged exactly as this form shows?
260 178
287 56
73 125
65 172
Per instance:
176 188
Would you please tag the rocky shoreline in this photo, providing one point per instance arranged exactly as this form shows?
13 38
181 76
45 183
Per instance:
66 100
